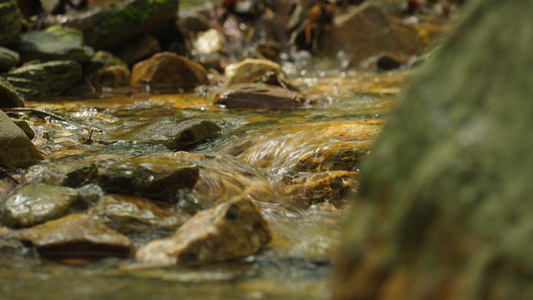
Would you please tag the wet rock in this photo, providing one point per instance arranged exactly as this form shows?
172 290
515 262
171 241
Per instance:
81 176
35 204
10 21
168 70
172 132
54 43
129 213
259 96
443 206
309 147
307 189
8 59
102 59
76 236
8 95
16 149
108 27
44 79
254 70
366 32
387 62
150 176
138 48
231 230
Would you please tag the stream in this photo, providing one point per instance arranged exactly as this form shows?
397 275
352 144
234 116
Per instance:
285 150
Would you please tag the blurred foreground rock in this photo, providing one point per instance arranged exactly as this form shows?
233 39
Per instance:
443 209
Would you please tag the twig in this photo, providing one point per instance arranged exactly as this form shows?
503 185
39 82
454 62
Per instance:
36 110
5 170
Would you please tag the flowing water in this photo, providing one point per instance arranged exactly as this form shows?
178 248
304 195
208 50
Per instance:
285 151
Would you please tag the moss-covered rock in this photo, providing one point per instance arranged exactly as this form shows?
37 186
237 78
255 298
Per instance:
10 21
443 209
8 95
44 79
8 59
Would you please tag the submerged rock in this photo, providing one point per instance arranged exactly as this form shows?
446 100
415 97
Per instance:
259 96
10 21
44 79
16 149
76 236
175 133
8 95
54 43
35 204
443 209
231 230
168 70
366 32
8 59
129 213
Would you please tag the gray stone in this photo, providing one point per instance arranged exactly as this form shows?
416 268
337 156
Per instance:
8 59
443 209
54 43
35 204
16 149
44 79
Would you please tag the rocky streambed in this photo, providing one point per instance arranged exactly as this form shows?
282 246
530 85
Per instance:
198 171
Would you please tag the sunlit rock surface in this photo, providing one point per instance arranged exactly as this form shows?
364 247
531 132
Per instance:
254 70
443 209
231 230
166 70
259 96
35 204
76 236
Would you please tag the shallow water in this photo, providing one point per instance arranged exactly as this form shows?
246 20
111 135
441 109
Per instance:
297 264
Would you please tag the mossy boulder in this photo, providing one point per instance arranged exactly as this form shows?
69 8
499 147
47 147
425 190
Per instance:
44 79
10 21
443 209
8 95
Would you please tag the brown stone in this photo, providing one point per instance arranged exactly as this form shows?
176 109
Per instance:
76 236
231 230
168 70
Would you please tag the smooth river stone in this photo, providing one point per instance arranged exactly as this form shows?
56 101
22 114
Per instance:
35 204
76 236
